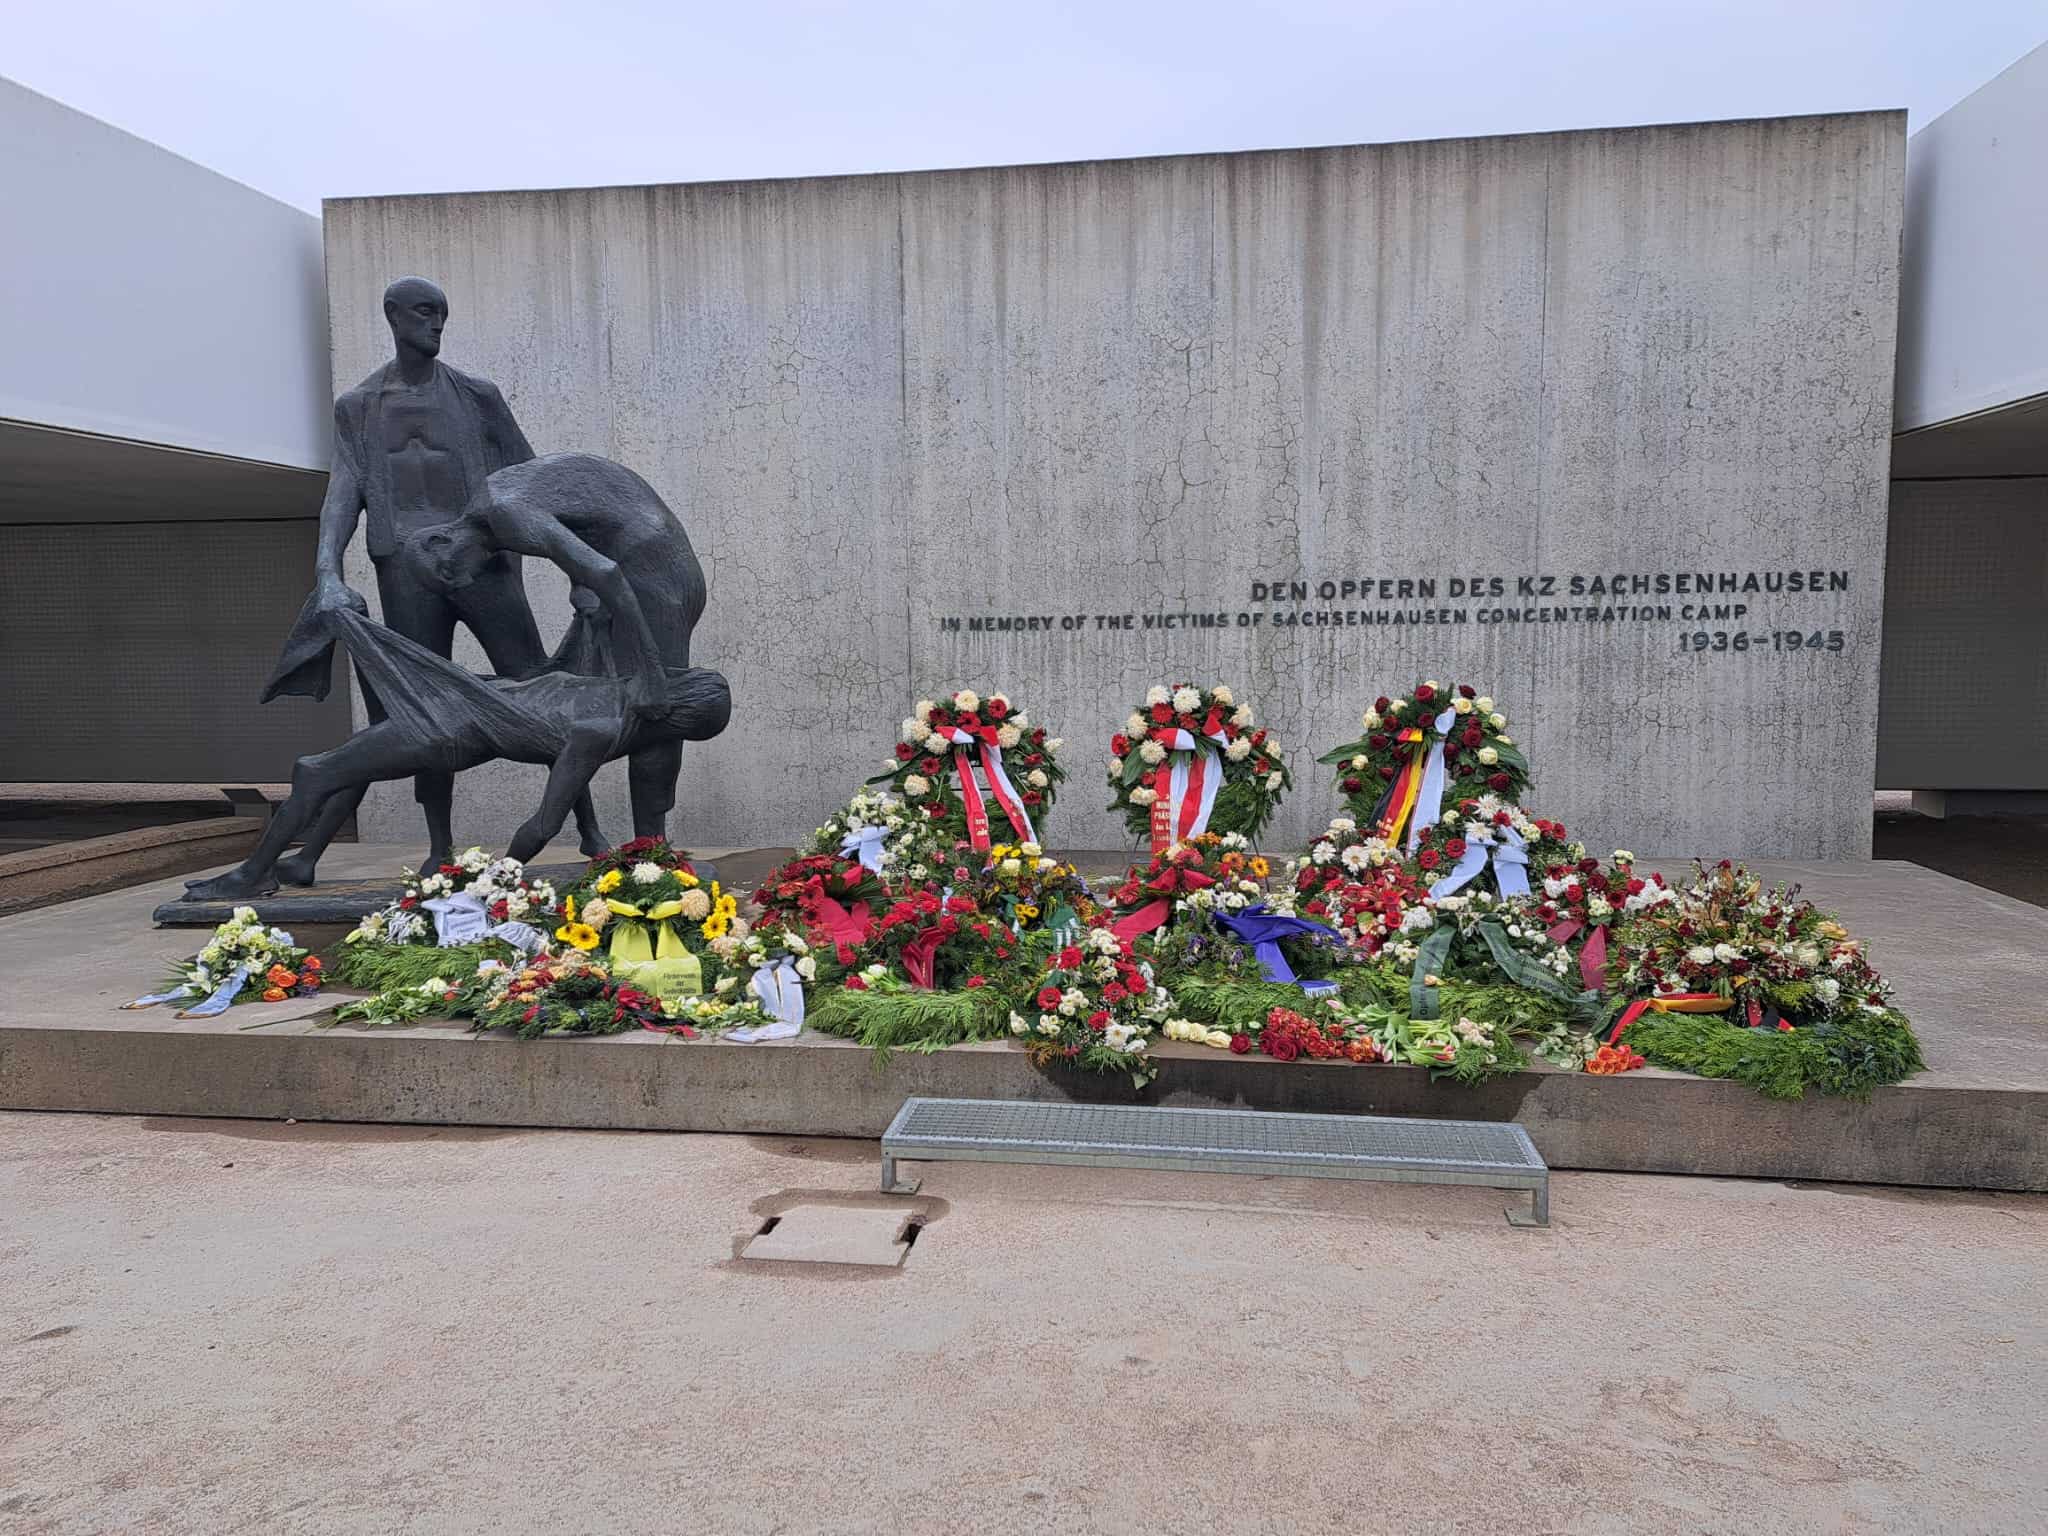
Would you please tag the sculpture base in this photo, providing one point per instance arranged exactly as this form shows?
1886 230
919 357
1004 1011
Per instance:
341 900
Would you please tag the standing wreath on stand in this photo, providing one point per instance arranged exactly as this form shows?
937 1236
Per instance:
1424 750
1188 761
950 767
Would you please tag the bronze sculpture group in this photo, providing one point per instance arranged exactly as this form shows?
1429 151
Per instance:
431 459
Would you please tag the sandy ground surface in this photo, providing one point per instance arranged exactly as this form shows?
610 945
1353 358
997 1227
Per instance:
218 1327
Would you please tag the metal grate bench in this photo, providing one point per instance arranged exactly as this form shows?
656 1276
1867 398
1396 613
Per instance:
1490 1153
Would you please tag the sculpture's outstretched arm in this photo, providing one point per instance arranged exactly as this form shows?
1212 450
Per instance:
535 533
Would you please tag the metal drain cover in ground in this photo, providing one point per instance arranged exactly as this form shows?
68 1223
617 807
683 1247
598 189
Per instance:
878 1236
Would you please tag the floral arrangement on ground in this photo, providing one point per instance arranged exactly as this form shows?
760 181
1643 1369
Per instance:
244 960
447 922
1479 937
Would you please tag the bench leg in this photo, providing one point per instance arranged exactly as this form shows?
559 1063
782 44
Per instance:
1538 1214
891 1184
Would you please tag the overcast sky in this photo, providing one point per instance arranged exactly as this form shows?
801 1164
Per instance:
307 99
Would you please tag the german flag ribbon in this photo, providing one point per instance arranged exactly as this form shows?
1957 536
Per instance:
1401 798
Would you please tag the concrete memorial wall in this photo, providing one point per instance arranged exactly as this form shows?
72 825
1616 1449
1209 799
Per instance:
1596 421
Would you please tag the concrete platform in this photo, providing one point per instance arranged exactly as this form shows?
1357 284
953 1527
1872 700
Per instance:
1968 963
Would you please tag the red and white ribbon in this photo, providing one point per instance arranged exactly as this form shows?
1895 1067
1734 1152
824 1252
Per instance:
999 787
1185 785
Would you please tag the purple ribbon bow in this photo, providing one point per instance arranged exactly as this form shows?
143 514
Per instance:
1264 930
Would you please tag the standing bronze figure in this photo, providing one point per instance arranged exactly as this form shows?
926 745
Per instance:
413 446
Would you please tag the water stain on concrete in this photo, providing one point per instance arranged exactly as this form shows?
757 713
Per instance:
1912 1195
818 1149
325 1130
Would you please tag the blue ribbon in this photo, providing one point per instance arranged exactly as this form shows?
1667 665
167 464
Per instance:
1264 930
1510 865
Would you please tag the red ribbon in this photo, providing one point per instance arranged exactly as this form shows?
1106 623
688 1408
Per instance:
840 925
1155 913
1191 802
970 792
1161 782
919 955
1592 958
970 795
1148 917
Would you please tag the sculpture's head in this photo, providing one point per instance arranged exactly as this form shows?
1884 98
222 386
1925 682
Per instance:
699 704
416 310
450 556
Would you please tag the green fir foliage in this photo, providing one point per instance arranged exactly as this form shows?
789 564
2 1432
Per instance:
1847 1054
374 967
906 1020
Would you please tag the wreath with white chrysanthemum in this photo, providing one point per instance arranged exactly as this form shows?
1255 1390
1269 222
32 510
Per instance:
1379 773
976 768
1187 750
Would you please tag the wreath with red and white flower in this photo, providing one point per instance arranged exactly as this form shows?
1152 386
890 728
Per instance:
976 768
1385 774
1357 883
1096 1007
1190 760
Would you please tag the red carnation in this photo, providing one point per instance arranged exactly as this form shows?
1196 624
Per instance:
855 984
1259 737
1455 847
1033 759
1162 714
1240 1045
1424 693
977 981
1048 999
1135 983
1428 858
1099 1019
1069 958
929 766
1500 782
1038 736
1263 766
995 709
1032 797
904 752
